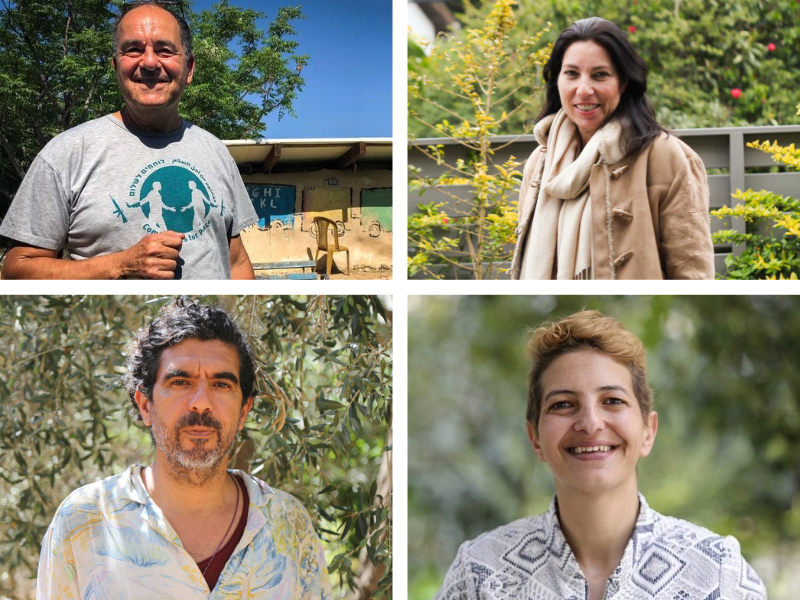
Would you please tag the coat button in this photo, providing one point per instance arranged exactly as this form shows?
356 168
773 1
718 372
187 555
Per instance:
623 258
623 214
617 172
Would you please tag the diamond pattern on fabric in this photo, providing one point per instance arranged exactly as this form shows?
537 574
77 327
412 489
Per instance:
751 581
665 559
529 553
641 534
480 573
659 567
714 548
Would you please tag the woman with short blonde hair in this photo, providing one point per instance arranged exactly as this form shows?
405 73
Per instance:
590 419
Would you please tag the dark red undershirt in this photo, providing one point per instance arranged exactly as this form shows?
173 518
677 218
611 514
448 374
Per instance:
221 559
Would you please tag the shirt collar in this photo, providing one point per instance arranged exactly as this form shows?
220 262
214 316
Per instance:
568 566
643 532
259 492
132 487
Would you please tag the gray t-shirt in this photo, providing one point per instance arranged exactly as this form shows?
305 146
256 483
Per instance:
100 187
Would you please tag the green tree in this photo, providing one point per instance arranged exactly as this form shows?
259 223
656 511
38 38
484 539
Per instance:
320 427
55 73
238 62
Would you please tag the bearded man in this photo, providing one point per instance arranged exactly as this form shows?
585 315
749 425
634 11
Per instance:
185 527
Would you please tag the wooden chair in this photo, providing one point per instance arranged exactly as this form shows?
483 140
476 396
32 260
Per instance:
322 243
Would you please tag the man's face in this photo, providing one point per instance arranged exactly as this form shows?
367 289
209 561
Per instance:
151 64
196 406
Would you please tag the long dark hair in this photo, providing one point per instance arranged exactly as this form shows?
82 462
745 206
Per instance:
635 112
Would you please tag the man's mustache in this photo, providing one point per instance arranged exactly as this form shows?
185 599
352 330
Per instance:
195 419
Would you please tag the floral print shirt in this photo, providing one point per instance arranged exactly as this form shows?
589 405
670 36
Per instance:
109 541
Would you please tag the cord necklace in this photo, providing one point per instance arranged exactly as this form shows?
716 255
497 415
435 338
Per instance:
229 528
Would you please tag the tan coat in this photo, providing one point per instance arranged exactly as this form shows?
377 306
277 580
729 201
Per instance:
649 211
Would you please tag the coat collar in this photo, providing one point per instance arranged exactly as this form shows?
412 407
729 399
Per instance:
611 143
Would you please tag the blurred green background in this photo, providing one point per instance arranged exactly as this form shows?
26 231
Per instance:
725 374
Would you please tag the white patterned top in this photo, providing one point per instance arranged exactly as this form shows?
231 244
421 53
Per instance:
666 558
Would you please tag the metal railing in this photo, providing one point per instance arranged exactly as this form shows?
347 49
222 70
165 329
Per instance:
722 148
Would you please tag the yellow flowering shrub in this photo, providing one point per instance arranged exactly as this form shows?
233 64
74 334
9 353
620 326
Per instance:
772 226
473 231
788 155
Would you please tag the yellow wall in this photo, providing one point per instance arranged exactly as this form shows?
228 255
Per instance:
288 202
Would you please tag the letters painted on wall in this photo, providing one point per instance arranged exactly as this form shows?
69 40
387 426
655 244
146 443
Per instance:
274 204
369 209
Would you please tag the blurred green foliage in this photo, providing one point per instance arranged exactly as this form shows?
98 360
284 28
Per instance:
319 428
724 371
697 51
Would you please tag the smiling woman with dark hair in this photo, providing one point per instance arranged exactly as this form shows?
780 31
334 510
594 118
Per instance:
590 419
609 193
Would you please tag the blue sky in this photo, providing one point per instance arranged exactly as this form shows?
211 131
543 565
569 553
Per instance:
348 91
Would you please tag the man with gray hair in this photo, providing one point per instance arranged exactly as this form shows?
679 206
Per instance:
118 193
185 527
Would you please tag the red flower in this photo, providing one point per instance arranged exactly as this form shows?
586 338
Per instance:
632 29
771 47
736 92
445 220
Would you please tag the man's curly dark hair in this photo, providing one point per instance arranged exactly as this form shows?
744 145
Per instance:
176 323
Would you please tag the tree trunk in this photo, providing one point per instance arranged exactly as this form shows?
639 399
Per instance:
369 575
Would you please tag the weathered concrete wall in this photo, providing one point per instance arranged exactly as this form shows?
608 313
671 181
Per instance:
286 203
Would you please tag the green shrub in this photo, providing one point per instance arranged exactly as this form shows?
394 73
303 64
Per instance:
772 227
697 52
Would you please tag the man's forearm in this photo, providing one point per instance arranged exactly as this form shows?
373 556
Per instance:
243 269
154 256
40 267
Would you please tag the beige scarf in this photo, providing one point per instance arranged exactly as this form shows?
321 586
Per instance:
560 237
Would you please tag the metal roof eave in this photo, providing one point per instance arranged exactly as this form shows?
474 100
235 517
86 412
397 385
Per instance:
337 153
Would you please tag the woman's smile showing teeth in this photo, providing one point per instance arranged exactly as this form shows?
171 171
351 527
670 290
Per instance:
589 87
591 431
591 452
590 449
